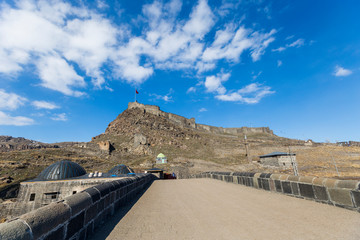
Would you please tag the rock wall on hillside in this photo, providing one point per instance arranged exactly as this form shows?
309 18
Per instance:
190 123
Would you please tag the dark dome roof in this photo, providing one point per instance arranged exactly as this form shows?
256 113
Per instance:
120 169
61 170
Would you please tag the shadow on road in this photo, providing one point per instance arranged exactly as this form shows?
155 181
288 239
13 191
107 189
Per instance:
104 230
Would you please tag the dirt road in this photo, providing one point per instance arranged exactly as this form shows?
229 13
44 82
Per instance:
211 209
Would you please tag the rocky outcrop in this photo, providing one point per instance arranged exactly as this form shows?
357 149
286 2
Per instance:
8 143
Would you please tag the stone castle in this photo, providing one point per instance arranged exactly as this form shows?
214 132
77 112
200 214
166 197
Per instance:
190 123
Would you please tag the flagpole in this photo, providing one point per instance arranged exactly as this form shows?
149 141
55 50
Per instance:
135 94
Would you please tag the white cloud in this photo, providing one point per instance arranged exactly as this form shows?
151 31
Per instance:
279 49
6 119
214 83
191 90
58 75
341 72
69 44
10 101
298 43
255 76
250 94
44 105
279 63
60 117
166 98
202 110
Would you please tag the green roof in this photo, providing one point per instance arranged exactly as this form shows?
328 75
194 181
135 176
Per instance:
161 155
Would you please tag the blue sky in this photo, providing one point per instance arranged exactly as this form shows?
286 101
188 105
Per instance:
68 68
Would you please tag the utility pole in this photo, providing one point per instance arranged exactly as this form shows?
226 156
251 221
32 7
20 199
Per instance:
294 164
247 149
337 171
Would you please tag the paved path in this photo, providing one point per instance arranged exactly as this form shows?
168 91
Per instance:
211 209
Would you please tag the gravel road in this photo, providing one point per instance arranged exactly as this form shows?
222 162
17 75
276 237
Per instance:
211 209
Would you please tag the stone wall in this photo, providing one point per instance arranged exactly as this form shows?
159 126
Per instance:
190 123
77 216
46 192
340 193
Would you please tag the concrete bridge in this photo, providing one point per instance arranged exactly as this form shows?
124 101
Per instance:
240 206
209 209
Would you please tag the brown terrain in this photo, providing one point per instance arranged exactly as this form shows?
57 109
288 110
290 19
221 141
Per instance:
135 138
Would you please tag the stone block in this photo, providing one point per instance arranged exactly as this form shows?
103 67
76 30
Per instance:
286 187
341 196
82 234
258 183
44 219
91 213
104 189
284 177
14 230
306 179
295 188
107 200
306 190
319 181
293 178
272 185
112 197
90 229
278 186
257 175
262 175
330 183
235 179
265 184
78 202
75 225
320 193
101 205
275 176
356 197
58 234
350 184
94 193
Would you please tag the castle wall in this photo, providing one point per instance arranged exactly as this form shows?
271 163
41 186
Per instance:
190 123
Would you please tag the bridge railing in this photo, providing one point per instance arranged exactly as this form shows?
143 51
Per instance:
340 193
77 216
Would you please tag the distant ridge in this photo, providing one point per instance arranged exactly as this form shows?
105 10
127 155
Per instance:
8 143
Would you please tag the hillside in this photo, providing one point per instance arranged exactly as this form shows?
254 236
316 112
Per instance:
137 135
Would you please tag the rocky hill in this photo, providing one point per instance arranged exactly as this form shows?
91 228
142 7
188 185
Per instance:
141 132
8 143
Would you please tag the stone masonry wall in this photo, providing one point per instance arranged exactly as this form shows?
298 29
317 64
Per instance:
77 216
340 193
190 123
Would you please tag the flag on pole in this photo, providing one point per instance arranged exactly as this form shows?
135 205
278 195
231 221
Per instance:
136 91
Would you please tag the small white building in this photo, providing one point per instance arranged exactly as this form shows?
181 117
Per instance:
278 159
161 158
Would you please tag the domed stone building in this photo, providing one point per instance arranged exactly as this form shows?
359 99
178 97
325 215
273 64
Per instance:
120 169
61 170
58 181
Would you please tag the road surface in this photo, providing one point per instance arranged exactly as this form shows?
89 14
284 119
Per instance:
211 209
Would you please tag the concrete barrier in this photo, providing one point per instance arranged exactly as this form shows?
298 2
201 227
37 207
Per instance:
77 216
341 193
